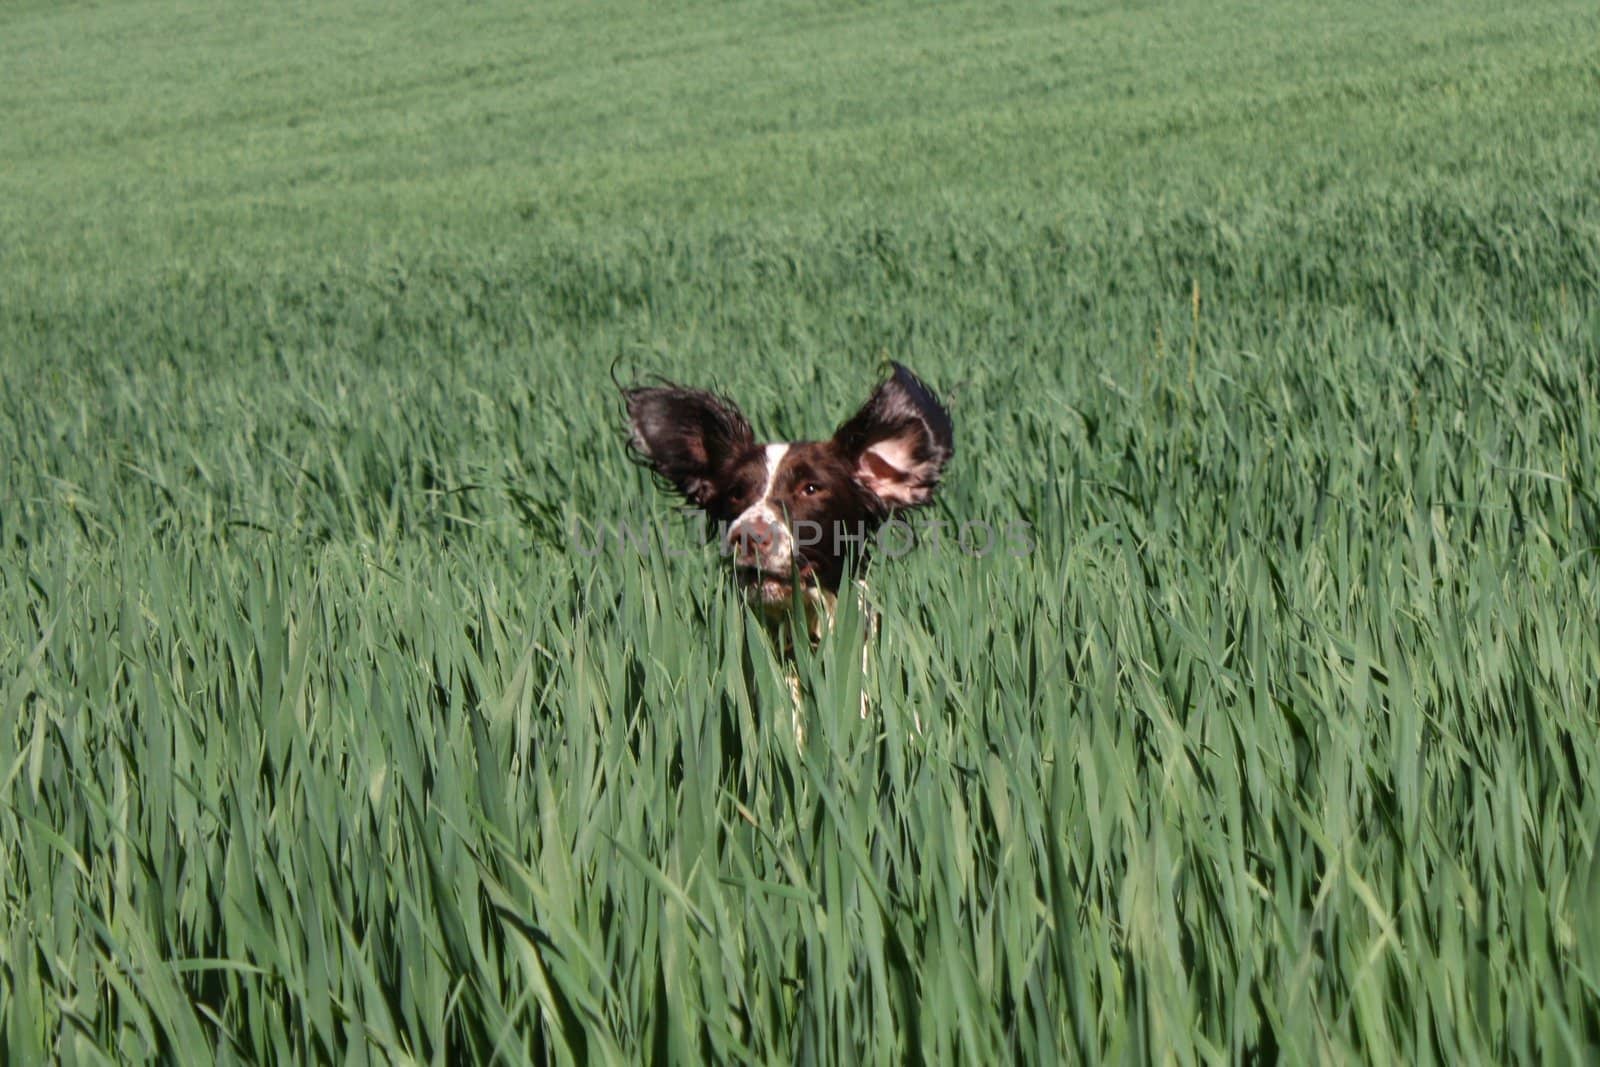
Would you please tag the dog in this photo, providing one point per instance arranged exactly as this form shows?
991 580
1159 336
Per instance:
793 516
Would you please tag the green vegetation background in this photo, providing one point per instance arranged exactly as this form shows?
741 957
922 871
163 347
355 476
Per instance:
1279 324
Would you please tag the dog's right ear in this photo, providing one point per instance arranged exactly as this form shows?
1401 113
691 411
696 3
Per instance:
688 436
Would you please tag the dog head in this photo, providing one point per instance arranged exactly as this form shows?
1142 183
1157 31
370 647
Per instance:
791 514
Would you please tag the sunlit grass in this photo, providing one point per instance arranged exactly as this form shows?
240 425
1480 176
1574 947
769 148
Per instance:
320 739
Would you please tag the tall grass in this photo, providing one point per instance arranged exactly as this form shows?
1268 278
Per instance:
321 739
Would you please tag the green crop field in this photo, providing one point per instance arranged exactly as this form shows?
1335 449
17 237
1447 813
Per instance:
324 737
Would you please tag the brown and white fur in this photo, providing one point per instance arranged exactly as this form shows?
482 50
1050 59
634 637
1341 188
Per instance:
791 514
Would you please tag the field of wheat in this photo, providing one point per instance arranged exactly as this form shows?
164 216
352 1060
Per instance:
323 737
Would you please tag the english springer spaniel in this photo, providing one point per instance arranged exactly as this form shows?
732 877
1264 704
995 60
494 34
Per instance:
791 514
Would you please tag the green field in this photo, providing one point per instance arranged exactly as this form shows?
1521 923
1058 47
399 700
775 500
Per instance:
319 741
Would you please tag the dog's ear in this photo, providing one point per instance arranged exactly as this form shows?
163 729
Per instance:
897 445
687 436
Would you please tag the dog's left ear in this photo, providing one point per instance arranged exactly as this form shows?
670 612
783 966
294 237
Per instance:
899 442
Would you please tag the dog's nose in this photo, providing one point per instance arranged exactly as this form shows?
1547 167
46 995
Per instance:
752 541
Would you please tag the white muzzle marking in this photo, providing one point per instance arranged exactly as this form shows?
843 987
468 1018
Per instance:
777 554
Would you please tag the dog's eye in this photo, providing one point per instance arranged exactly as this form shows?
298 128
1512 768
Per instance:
811 489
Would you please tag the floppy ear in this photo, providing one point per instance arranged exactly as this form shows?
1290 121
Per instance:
899 442
687 436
